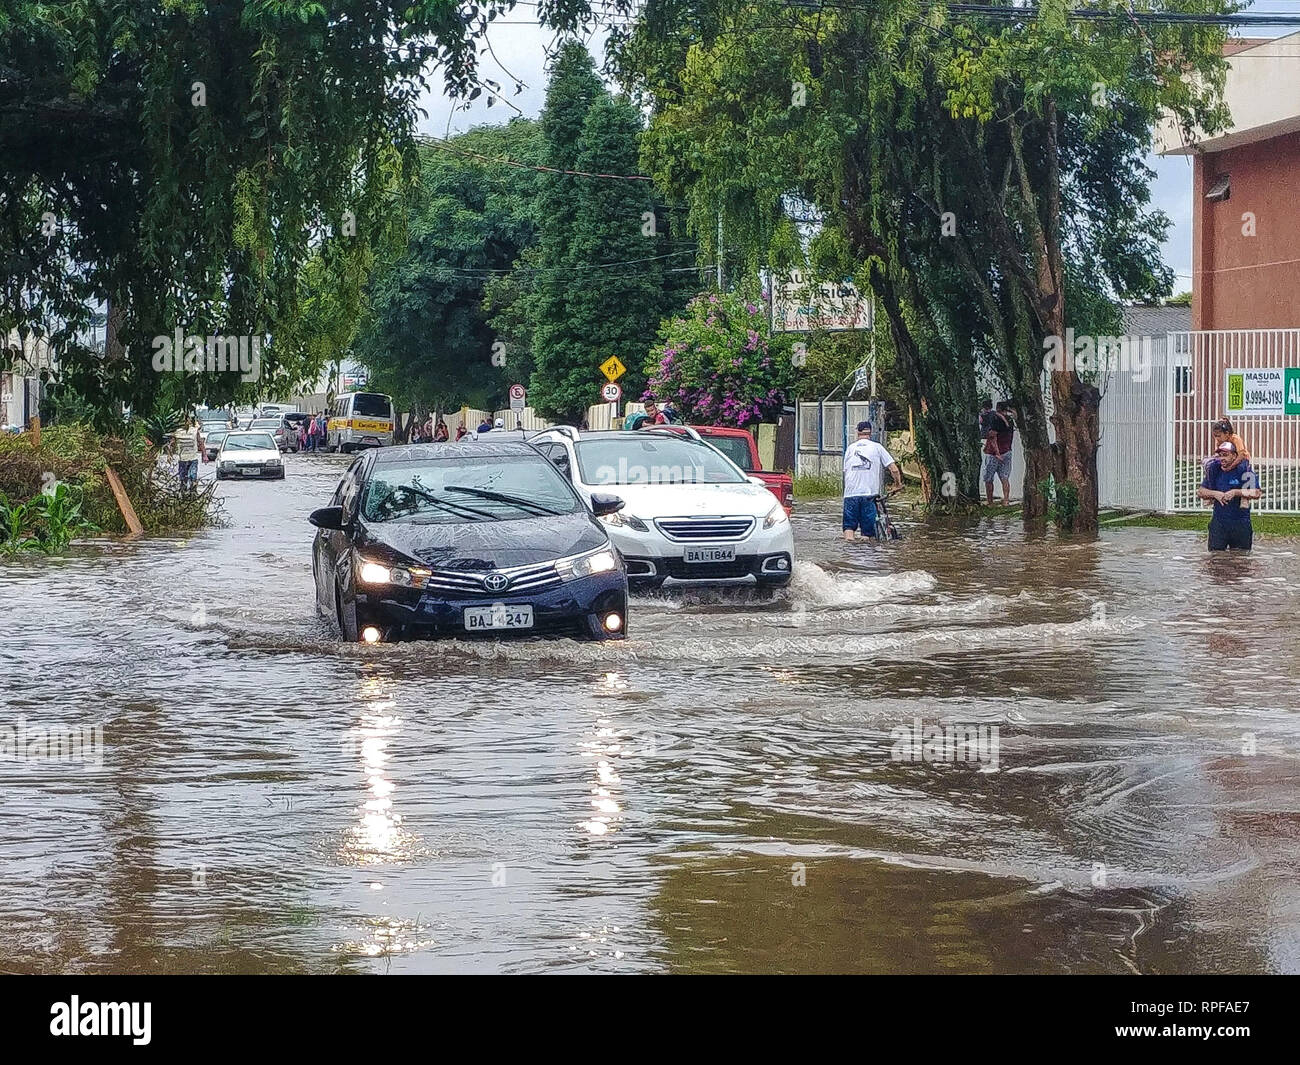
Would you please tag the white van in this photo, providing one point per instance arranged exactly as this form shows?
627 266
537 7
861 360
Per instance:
360 419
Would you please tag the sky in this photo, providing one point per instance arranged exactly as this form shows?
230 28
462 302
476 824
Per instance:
519 48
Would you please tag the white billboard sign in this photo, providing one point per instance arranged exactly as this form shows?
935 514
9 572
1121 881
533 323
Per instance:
800 304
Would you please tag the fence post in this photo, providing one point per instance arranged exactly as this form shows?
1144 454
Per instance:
1170 466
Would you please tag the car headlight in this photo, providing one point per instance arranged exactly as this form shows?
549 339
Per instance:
629 521
402 576
775 517
601 560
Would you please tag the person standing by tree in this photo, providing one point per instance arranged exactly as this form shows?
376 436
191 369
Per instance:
441 434
998 438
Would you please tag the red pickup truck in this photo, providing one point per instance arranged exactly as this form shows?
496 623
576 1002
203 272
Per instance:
739 446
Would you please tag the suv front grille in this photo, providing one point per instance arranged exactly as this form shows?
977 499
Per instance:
694 529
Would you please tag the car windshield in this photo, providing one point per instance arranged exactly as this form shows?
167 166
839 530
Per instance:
466 489
248 442
266 423
216 436
735 448
371 405
646 457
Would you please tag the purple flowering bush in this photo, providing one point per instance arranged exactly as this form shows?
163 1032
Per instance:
719 365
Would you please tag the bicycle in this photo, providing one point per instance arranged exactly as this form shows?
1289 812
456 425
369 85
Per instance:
884 523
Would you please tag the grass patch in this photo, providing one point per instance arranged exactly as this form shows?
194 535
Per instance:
1264 524
828 486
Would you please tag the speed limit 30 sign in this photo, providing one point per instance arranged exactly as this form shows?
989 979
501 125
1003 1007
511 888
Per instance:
611 393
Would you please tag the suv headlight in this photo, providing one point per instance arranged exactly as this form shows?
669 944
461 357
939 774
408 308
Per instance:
775 517
402 576
602 560
629 521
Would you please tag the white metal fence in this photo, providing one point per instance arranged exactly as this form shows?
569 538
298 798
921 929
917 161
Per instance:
1198 393
1133 444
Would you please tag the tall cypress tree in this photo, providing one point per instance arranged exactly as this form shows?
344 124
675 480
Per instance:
597 281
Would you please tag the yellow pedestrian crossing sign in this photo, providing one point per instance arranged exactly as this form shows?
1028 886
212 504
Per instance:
612 368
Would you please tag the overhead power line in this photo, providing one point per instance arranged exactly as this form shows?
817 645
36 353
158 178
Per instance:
444 146
1020 14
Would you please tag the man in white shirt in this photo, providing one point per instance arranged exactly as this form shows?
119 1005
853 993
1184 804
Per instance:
865 463
187 446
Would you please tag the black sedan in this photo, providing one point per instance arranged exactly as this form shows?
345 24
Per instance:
466 539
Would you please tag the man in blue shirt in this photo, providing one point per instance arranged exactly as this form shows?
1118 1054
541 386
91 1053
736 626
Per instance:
1228 481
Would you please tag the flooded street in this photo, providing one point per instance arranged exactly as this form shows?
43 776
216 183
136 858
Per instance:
720 793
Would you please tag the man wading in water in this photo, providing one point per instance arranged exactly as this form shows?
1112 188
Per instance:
865 463
1229 481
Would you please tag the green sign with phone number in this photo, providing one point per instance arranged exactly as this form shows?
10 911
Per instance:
1271 390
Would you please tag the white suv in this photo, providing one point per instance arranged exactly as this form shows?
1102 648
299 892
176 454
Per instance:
690 513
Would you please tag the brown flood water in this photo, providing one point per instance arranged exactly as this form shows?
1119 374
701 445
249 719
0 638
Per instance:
717 794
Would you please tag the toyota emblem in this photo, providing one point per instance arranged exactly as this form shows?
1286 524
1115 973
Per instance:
496 582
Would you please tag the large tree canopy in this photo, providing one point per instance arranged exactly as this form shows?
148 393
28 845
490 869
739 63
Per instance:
207 164
425 336
984 175
606 268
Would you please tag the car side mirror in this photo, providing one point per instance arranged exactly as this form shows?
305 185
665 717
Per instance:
327 518
602 503
758 481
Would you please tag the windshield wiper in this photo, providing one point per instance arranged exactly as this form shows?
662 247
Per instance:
501 497
446 504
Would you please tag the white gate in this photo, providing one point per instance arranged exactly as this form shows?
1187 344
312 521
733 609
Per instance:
1133 446
1198 386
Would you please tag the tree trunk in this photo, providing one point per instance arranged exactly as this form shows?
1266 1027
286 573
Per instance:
1077 429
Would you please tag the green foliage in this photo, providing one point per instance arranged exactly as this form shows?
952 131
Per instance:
986 177
160 425
16 521
1062 502
717 364
823 486
49 522
600 278
227 167
425 337
79 456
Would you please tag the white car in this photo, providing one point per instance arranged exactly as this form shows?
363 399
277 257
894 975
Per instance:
249 454
689 514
